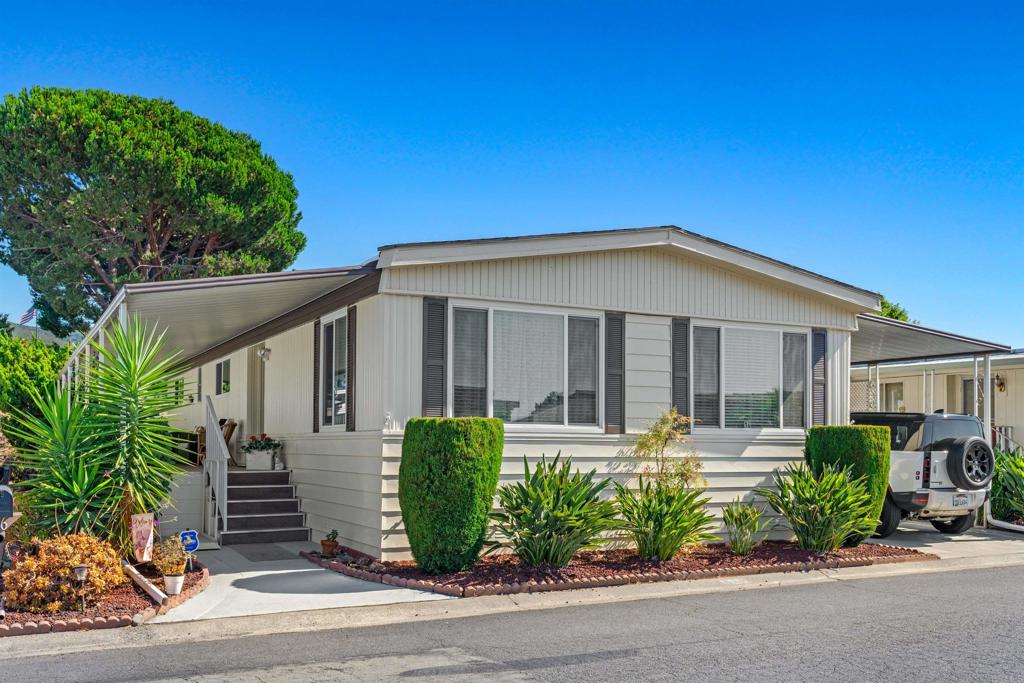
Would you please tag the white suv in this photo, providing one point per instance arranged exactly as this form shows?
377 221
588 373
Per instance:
940 469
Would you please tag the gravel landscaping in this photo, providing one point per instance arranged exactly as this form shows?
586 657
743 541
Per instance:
502 574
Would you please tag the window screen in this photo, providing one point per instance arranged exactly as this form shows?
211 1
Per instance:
582 371
528 367
469 366
750 381
340 383
706 367
794 379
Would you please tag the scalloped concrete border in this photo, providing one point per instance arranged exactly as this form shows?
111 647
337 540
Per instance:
119 621
622 579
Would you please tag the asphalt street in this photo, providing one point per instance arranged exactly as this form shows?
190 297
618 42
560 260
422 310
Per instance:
949 626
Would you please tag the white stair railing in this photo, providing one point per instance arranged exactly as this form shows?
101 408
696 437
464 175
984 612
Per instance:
215 475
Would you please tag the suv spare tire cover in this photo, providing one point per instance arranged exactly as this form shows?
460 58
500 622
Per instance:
970 463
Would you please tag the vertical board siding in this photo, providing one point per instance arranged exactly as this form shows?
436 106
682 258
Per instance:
370 365
837 365
655 280
648 370
289 382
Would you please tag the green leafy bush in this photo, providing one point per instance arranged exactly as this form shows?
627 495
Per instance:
747 526
27 367
662 518
863 450
446 484
662 450
552 514
823 510
1008 486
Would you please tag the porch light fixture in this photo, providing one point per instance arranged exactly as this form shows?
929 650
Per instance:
1000 383
264 354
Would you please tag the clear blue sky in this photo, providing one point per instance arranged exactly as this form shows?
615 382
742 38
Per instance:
880 143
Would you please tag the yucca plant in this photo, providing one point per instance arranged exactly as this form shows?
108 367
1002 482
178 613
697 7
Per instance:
129 393
553 513
824 510
662 518
1008 486
747 526
64 485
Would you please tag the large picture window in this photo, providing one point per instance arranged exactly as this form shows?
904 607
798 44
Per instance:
334 347
749 378
525 367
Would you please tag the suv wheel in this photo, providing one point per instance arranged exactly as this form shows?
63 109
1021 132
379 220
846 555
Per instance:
970 463
890 520
957 525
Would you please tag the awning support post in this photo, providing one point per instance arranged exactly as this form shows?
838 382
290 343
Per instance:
988 397
974 389
931 391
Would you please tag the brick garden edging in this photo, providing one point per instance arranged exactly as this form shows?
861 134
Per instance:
621 579
119 621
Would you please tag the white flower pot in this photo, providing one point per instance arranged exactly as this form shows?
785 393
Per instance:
173 584
259 460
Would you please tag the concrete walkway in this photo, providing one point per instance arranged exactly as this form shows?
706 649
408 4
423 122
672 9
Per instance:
976 543
271 578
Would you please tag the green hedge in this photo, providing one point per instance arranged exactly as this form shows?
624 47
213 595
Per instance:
864 449
446 486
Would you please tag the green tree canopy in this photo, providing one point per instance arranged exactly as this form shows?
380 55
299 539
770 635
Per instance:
26 366
891 309
98 189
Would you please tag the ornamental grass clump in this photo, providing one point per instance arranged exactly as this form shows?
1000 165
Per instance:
662 518
552 514
823 510
45 583
747 526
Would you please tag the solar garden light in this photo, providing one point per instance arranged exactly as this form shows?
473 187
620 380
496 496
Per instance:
81 574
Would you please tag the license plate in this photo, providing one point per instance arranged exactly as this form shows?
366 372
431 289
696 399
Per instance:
960 500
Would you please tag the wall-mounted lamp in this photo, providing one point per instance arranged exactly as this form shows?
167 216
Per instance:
1000 384
264 354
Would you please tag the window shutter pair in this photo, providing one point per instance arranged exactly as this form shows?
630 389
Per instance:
614 373
681 366
819 376
350 361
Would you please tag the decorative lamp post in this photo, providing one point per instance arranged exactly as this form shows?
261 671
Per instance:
81 574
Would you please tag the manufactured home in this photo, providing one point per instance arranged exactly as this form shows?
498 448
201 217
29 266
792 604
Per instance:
576 341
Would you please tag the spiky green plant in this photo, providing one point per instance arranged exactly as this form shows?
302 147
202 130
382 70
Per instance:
822 510
1008 486
747 526
64 486
130 392
553 513
661 518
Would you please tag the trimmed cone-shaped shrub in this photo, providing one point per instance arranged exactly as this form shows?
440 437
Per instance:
446 486
45 581
862 450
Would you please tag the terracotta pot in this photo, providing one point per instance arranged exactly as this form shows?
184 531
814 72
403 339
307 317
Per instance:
328 548
173 584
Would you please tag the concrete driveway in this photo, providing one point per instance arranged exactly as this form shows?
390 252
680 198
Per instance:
976 543
271 578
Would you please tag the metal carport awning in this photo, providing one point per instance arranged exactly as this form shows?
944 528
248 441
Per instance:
883 340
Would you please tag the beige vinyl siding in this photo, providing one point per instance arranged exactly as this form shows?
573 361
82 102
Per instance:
733 465
186 508
648 357
288 378
653 280
838 380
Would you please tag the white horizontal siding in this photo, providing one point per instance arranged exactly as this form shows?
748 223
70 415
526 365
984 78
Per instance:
648 358
655 280
186 508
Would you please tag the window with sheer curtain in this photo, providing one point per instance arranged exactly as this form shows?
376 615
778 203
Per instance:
544 367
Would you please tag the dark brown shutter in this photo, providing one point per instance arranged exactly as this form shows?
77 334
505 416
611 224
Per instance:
614 373
316 376
435 355
350 372
681 366
819 376
199 384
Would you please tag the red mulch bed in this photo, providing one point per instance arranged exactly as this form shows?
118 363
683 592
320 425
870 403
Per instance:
127 599
501 574
505 568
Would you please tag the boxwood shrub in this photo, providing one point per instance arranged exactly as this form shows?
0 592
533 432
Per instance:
863 450
446 485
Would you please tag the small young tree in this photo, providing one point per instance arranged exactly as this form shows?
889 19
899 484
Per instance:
662 449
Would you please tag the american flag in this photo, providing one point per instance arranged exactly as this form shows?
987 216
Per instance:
29 316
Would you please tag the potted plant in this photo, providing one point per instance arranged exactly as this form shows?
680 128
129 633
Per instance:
169 558
259 452
329 545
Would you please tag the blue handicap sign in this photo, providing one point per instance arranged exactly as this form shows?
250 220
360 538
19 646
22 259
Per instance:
189 539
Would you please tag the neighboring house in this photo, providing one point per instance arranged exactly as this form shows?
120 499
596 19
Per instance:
30 332
954 385
577 341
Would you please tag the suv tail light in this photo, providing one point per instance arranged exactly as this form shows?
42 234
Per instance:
926 474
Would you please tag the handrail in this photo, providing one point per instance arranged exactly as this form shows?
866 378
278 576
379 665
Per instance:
215 474
1003 438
